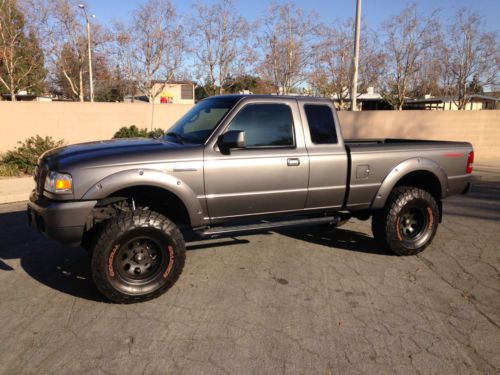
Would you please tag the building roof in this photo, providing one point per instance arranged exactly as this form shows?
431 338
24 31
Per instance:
19 97
263 96
443 99
485 97
186 82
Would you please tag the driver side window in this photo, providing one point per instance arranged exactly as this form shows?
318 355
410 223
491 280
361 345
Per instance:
265 125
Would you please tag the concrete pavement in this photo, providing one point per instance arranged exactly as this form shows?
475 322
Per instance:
297 301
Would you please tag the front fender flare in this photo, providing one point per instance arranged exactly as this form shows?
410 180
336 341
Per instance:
148 177
403 169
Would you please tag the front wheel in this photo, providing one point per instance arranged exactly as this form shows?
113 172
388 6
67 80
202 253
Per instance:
408 222
138 256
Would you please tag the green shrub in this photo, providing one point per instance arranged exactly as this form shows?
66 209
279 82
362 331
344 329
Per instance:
131 132
134 132
9 170
23 159
156 133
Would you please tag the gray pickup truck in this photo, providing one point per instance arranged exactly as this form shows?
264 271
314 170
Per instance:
234 164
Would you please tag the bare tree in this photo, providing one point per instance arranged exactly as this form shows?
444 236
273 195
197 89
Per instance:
21 59
286 41
220 44
408 36
428 78
151 48
65 32
64 40
123 57
471 58
332 68
331 75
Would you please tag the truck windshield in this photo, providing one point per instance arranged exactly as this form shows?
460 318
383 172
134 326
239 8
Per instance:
197 125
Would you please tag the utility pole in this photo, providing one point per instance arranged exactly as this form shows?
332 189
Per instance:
89 43
355 60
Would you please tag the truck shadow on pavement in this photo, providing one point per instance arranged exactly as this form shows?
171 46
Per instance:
63 269
337 238
67 270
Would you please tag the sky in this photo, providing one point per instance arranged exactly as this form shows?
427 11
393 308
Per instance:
374 11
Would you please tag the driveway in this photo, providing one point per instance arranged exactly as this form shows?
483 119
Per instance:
297 301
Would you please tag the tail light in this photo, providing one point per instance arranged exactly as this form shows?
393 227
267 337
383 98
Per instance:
470 161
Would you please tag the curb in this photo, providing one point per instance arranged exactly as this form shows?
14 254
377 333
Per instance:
15 189
487 168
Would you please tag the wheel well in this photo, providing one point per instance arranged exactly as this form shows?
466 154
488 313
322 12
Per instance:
427 181
155 198
424 180
158 199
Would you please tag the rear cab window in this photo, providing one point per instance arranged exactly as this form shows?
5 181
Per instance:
321 124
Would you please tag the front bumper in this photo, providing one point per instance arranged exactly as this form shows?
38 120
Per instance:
62 221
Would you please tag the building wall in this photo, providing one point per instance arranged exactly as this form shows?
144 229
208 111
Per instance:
474 105
471 106
81 122
481 128
173 91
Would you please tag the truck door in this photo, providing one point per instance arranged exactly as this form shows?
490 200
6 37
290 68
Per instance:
327 156
269 174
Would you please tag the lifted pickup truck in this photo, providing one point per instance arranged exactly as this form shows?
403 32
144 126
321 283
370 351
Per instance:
234 164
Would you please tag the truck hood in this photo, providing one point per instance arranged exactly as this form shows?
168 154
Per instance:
117 151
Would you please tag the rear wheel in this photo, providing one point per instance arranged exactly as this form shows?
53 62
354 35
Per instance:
138 256
408 222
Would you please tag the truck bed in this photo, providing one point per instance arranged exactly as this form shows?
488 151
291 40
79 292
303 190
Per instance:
391 142
372 160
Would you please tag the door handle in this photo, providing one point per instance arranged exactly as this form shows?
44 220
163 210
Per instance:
293 162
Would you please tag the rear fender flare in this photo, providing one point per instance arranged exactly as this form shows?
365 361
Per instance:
403 169
148 177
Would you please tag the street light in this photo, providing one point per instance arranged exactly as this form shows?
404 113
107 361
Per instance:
355 60
82 7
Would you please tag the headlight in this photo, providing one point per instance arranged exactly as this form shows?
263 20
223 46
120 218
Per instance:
58 183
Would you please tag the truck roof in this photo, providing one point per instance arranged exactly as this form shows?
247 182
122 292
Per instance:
262 96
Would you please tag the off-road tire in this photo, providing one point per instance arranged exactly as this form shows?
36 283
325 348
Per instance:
388 224
125 244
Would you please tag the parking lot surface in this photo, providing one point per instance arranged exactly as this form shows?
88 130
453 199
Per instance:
295 301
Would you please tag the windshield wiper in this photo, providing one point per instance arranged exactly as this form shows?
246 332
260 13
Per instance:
177 136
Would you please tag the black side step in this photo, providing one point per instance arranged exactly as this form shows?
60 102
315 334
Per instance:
222 230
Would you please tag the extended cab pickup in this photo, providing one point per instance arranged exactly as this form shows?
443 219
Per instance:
234 164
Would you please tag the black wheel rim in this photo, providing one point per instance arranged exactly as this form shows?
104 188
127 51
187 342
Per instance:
413 223
140 260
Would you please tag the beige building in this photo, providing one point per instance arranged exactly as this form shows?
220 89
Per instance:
177 92
447 103
368 101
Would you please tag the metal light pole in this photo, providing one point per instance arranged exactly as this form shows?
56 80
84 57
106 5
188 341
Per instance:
355 62
89 42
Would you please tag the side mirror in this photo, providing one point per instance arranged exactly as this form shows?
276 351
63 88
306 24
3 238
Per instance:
232 139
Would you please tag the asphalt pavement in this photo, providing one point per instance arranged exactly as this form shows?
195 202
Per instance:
296 301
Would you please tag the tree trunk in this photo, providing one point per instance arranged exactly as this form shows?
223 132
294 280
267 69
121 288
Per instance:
81 85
